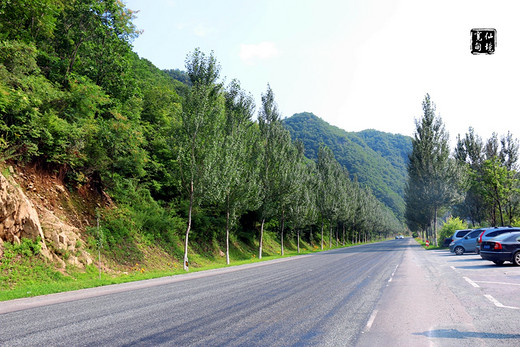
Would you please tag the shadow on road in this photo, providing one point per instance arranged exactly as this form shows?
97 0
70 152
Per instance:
456 334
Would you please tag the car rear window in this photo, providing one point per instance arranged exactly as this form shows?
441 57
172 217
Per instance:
474 233
507 236
502 231
461 233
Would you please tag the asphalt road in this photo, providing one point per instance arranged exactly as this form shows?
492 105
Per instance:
391 293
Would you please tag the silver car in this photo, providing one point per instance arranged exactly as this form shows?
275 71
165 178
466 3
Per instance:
460 234
467 244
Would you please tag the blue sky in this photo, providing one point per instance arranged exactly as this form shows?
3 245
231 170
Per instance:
358 64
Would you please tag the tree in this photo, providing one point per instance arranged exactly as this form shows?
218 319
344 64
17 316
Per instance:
286 178
29 20
269 126
201 114
492 177
232 173
346 203
327 202
469 154
433 176
96 33
300 206
497 186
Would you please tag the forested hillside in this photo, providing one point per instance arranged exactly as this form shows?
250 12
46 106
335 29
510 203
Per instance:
176 156
375 158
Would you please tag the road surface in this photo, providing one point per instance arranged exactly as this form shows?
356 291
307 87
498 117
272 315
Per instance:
392 293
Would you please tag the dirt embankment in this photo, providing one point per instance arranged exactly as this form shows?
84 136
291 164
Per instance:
35 204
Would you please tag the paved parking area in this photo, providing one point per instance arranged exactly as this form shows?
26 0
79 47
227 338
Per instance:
500 285
436 298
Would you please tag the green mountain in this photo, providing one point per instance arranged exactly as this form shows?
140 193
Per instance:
376 158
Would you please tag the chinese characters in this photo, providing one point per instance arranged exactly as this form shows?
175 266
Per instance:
483 41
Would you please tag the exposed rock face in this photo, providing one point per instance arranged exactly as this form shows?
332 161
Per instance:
18 217
21 217
64 238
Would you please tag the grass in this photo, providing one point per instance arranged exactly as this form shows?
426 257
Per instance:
423 243
24 273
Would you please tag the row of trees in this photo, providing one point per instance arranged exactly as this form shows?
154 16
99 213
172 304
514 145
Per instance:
492 194
177 158
238 165
478 182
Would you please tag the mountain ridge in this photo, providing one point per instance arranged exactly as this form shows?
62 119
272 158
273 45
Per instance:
377 159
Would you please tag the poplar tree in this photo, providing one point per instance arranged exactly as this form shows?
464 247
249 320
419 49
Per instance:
469 153
326 184
433 176
271 130
231 173
300 206
199 129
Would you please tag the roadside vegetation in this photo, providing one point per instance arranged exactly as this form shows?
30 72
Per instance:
24 274
185 167
478 182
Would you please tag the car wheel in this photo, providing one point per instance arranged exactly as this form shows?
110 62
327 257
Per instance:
516 259
459 250
498 262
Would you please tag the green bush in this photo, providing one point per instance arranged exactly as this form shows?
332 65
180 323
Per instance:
448 229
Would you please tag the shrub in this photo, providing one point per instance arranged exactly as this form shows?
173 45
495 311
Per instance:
448 229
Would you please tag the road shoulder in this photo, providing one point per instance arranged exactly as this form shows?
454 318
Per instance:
418 308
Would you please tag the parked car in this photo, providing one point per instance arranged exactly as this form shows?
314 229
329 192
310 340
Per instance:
505 247
457 235
467 244
491 233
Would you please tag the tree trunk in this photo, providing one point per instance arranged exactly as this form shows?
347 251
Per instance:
322 235
343 234
501 214
337 235
185 265
281 238
227 233
330 235
298 233
261 239
435 227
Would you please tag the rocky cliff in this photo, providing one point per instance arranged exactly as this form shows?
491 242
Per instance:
28 209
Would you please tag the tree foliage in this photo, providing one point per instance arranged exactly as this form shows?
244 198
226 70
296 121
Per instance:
378 160
177 152
433 176
492 194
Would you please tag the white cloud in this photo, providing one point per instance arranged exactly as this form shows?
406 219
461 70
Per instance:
250 53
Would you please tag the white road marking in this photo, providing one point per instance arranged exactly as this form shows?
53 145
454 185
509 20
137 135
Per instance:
371 320
502 283
393 273
471 282
498 303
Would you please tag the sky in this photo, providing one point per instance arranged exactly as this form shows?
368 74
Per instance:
357 64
